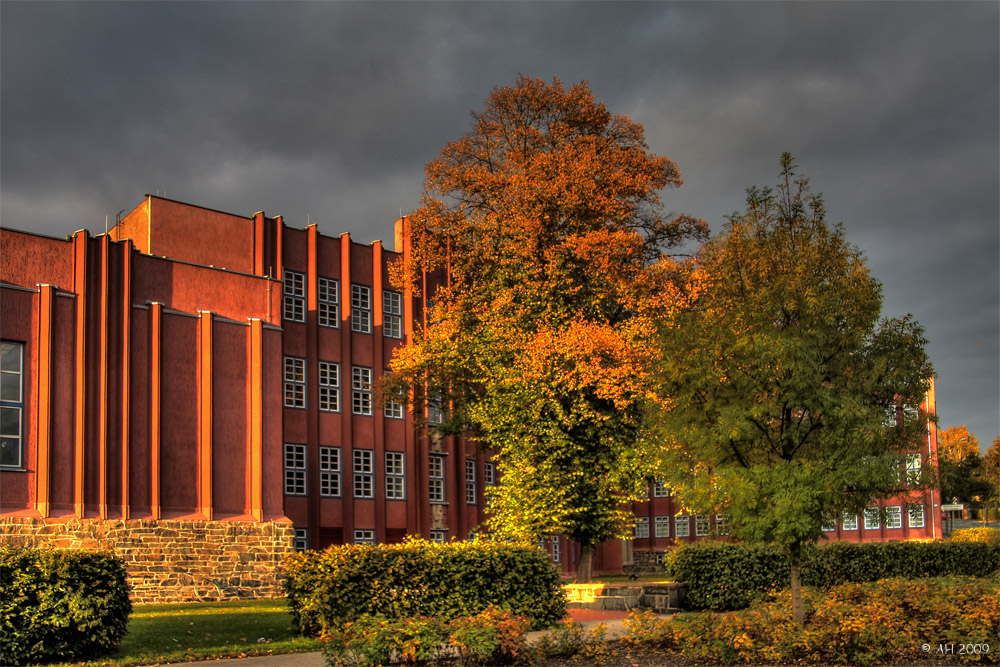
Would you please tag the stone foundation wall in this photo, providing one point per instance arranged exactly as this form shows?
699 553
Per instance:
173 560
647 561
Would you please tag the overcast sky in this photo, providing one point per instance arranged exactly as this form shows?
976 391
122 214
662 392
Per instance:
327 111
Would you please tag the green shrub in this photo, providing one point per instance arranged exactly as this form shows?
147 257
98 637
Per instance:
418 578
987 535
61 605
854 623
725 576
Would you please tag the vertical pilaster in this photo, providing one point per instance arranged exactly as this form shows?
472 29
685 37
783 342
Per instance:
126 372
155 379
279 261
346 361
43 432
255 419
102 398
312 375
378 363
204 448
80 277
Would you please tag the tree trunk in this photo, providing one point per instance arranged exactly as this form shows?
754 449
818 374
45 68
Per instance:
585 566
795 561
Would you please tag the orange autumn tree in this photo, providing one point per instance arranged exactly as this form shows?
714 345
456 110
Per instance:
547 220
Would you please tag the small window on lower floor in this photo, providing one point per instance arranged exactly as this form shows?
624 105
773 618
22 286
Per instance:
893 517
439 536
364 536
915 514
849 521
556 549
682 525
301 542
641 527
871 518
702 527
662 526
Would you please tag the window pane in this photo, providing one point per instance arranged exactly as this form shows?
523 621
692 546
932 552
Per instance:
10 358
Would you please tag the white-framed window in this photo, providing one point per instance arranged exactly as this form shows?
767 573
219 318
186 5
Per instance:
894 516
660 490
295 382
361 390
556 549
915 516
910 412
395 476
722 524
439 536
470 481
829 526
392 314
489 473
364 536
435 415
641 529
682 525
702 525
301 539
891 417
849 521
294 296
329 471
914 465
871 518
393 408
329 386
11 405
435 478
661 525
295 469
364 473
328 302
361 308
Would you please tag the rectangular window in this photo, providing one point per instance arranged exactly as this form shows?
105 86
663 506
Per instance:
392 314
701 525
915 514
556 549
329 386
294 296
361 390
829 526
364 474
439 536
361 308
364 536
395 478
659 490
11 404
913 468
295 382
849 521
489 474
470 481
890 420
295 470
893 516
328 300
641 527
722 524
662 526
329 471
871 518
682 525
393 408
301 541
435 475
434 414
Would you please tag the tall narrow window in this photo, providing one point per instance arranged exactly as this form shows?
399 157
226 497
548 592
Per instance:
470 481
301 540
661 526
11 404
393 408
329 386
294 296
329 471
913 468
328 299
871 518
295 382
361 308
435 478
364 474
395 479
489 473
295 469
556 549
641 529
361 390
392 314
682 525
894 516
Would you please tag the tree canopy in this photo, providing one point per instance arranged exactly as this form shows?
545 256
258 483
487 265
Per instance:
783 385
547 220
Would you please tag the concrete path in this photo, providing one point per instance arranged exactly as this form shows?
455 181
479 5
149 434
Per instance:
588 618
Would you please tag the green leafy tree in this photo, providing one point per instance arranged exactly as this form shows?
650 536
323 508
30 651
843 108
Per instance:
784 382
545 220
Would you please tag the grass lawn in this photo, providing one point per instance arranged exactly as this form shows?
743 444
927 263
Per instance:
207 630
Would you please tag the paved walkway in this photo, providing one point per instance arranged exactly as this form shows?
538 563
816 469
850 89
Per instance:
588 618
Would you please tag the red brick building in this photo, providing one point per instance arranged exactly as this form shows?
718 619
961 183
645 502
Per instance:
196 366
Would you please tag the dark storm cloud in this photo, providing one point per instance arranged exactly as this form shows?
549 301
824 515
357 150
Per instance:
328 111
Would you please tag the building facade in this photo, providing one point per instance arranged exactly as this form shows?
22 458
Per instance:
195 366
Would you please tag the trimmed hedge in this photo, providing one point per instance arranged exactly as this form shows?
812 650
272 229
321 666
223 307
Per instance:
418 578
61 605
987 535
723 576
